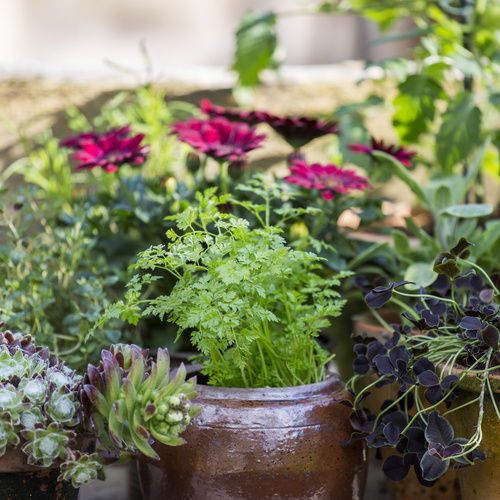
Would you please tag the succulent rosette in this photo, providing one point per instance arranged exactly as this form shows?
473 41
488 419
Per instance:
57 417
39 406
134 400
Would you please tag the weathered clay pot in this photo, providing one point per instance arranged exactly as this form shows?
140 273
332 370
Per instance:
20 481
481 480
279 443
409 488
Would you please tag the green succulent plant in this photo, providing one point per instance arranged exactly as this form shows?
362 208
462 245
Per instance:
55 415
136 400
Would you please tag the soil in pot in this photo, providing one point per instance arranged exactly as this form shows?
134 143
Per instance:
280 443
20 481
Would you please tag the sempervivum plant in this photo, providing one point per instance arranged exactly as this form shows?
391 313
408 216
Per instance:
133 400
450 341
40 410
61 419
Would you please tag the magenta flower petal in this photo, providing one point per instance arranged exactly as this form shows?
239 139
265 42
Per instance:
219 137
298 131
109 150
327 179
401 154
232 114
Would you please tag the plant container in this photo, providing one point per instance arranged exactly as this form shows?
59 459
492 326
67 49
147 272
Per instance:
280 443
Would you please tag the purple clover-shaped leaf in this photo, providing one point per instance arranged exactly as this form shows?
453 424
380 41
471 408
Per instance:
433 466
394 468
490 336
461 249
438 429
380 295
446 263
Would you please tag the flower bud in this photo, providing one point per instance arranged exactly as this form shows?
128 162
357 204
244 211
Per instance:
193 162
298 230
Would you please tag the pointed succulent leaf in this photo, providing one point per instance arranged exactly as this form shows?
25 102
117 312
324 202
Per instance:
163 364
113 376
94 377
130 395
175 384
194 411
149 411
120 410
143 446
149 385
97 399
115 428
169 439
139 429
136 372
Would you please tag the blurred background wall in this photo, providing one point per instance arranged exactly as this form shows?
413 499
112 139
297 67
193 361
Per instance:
75 38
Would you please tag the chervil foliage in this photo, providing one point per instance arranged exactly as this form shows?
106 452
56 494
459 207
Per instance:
252 306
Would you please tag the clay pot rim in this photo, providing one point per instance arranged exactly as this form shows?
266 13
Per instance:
471 382
328 386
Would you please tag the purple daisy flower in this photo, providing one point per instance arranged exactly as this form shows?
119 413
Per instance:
110 150
401 154
233 114
327 179
299 131
219 138
75 141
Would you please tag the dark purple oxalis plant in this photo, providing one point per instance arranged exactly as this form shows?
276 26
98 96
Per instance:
450 339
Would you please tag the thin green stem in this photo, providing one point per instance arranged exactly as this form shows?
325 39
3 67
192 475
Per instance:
125 190
320 220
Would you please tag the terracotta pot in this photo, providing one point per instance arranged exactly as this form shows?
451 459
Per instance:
409 488
482 479
20 481
280 443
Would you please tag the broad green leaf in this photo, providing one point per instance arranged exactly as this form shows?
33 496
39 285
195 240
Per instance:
416 106
255 45
401 243
421 274
459 132
470 210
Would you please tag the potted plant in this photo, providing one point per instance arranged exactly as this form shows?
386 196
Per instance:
447 377
253 308
58 428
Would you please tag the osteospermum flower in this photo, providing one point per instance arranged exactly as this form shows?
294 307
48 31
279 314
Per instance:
218 137
298 131
233 114
401 154
328 179
75 141
110 150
